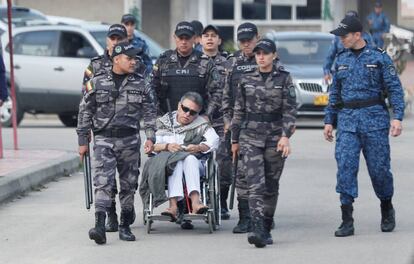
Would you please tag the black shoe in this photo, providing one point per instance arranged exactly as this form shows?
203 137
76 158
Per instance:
244 224
225 215
257 237
98 232
268 226
347 226
387 216
112 223
127 218
187 225
126 234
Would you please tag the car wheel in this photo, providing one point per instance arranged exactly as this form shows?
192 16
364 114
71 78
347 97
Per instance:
6 113
69 120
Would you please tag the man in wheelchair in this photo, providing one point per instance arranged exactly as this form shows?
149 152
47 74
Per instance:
182 137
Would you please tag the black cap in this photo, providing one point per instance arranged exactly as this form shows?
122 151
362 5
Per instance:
124 48
117 29
267 45
351 13
347 25
128 18
184 28
246 31
211 27
378 4
197 26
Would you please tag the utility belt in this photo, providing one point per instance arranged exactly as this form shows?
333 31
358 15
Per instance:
117 132
266 117
360 103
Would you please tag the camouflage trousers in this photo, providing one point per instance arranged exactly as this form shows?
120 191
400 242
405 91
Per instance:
376 150
262 166
110 155
223 157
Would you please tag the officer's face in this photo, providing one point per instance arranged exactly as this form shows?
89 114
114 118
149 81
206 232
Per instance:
124 63
378 10
247 45
264 59
210 41
112 41
187 111
350 39
130 26
184 44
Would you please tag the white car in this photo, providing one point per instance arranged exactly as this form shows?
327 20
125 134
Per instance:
49 63
21 16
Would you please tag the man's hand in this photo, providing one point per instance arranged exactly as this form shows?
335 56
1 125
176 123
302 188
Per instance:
82 151
174 147
226 128
396 128
328 132
235 148
283 146
193 148
148 146
327 77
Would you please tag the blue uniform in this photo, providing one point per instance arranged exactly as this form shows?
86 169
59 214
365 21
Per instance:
141 45
337 47
363 78
3 86
380 25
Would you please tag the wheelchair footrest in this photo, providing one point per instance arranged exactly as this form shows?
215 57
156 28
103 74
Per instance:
159 218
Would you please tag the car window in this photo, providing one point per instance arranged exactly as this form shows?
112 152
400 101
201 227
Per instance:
36 43
303 51
74 45
100 37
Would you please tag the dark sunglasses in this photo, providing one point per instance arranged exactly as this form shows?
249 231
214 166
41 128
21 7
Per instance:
186 110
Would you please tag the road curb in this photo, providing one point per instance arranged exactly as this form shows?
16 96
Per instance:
16 183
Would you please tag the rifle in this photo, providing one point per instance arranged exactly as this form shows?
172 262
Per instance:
233 185
87 179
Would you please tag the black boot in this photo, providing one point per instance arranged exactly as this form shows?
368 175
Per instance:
98 232
268 222
347 226
257 237
127 218
224 193
387 216
112 223
244 225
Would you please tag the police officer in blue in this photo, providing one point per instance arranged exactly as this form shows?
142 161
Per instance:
336 47
129 21
3 86
378 24
356 101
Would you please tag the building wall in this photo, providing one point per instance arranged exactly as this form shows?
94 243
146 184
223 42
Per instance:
156 18
93 10
406 21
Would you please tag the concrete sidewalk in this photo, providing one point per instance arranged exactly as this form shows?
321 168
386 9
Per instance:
23 170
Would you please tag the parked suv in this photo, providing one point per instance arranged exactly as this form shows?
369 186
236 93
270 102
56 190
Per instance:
49 62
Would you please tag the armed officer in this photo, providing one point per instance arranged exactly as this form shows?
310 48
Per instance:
264 119
363 74
112 107
182 70
239 62
129 21
210 41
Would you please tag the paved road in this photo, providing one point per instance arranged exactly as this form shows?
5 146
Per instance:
51 225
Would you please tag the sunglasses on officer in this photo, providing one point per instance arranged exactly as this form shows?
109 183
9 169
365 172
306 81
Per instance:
188 110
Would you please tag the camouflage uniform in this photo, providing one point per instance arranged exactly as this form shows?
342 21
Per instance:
171 80
237 65
363 79
264 111
114 116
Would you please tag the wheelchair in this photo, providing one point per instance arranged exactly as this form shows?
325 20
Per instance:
209 194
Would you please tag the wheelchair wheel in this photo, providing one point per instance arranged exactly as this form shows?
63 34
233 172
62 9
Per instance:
149 224
211 224
214 196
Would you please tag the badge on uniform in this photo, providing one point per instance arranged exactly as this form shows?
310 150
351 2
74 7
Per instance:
292 91
392 70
